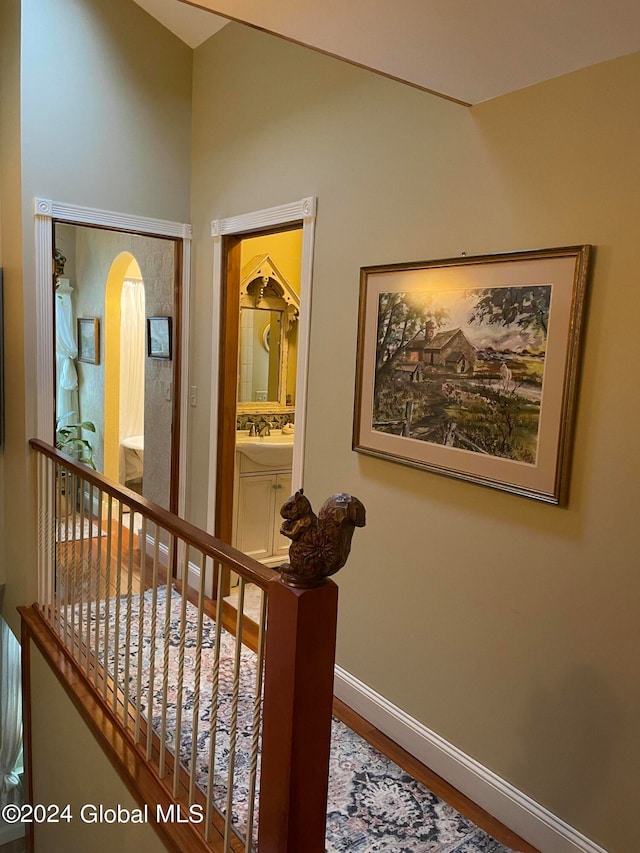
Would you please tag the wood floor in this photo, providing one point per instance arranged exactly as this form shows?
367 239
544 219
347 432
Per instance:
142 579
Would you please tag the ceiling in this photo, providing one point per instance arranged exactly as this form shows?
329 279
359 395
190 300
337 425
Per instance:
466 50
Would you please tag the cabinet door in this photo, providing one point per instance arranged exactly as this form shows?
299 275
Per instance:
282 493
255 515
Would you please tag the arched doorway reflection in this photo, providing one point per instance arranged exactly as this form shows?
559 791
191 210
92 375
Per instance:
124 373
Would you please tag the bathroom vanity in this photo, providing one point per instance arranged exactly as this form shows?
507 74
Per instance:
262 484
265 399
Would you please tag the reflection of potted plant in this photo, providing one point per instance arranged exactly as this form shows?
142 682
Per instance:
70 441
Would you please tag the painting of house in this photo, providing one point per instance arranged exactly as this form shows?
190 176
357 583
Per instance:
450 349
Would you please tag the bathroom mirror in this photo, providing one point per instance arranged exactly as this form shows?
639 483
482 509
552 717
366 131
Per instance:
259 379
268 318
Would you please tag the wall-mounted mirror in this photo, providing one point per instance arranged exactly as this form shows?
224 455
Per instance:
269 308
259 376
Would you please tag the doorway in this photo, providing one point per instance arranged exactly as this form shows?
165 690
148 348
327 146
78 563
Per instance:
48 212
123 401
262 274
267 297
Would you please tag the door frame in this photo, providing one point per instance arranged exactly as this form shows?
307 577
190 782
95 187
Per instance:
227 234
46 212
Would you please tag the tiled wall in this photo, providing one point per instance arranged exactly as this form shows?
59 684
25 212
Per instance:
276 419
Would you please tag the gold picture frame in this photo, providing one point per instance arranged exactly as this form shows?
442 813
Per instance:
88 340
468 367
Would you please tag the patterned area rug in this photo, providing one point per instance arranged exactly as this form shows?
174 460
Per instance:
374 806
68 531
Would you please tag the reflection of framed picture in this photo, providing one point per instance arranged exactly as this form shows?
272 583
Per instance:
468 367
89 340
159 337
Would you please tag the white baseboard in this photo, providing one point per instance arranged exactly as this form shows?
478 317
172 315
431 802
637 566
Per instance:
502 800
163 558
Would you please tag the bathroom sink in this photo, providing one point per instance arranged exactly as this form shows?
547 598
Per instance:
133 442
276 451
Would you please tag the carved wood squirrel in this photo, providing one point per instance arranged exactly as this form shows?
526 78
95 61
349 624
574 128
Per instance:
320 544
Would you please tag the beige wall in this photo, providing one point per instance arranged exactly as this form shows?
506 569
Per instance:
11 466
61 739
105 122
95 100
508 626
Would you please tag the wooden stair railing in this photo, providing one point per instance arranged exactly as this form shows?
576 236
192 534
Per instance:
298 650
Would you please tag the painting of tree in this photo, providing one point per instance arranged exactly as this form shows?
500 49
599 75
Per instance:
402 317
526 307
463 368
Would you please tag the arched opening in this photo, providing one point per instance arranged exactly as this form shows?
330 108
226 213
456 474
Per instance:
124 349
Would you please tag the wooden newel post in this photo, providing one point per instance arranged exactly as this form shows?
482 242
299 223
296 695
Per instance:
298 696
299 668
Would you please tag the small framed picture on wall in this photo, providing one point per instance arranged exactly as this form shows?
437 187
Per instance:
89 340
159 337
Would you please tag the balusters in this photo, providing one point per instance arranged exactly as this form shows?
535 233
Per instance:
104 589
256 722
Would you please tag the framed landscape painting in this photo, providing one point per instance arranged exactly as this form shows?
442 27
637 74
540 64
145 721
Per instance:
468 367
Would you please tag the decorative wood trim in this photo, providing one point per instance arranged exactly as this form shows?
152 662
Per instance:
76 214
512 807
184 371
270 217
304 334
45 211
215 383
303 211
227 398
44 324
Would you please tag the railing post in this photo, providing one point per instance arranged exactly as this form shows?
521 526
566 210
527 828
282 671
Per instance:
302 617
298 698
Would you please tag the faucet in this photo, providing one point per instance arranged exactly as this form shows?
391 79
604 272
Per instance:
252 429
265 429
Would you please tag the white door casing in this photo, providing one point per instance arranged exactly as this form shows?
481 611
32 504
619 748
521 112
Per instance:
46 211
296 213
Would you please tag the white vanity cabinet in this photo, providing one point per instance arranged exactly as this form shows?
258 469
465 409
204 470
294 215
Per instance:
259 493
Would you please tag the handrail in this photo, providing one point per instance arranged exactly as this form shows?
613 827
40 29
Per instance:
122 609
208 544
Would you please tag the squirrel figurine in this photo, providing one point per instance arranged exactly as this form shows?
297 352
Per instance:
320 544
